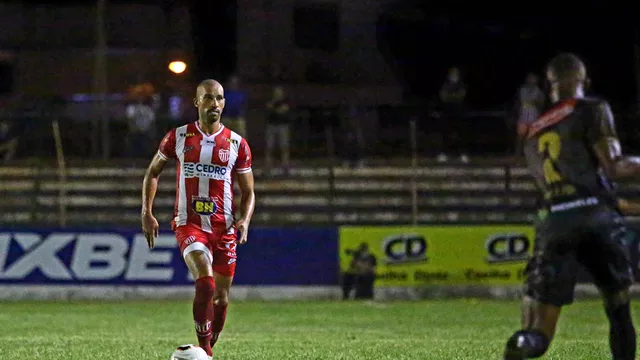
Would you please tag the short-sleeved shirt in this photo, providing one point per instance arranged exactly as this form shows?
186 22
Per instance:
204 174
558 147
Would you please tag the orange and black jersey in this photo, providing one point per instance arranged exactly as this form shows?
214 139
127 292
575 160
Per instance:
558 148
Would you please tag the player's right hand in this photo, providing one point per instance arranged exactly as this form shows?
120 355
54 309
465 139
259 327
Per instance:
150 228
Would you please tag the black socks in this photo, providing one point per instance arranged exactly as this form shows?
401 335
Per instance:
622 334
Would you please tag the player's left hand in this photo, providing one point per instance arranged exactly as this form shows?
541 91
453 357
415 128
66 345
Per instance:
150 229
242 226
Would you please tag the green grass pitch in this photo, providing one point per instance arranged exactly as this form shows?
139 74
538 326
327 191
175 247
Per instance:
446 329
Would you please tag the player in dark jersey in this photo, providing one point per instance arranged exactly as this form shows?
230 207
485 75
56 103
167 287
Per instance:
572 150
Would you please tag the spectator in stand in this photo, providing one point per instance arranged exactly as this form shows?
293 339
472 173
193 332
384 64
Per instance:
451 111
278 126
530 100
141 117
235 108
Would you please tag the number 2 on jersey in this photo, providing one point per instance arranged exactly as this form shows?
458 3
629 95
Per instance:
549 146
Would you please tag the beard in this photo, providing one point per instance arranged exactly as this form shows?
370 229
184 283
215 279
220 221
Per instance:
211 115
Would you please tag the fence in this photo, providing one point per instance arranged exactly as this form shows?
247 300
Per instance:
317 195
386 131
312 195
319 132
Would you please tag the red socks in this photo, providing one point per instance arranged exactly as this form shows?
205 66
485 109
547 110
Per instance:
219 317
203 314
209 318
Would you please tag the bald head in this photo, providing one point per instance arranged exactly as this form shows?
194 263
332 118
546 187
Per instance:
567 76
566 67
208 85
209 100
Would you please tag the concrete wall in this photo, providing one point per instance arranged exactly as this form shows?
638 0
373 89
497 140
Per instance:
52 47
52 50
266 37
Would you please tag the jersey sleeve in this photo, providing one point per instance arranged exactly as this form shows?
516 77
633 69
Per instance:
243 164
167 149
602 127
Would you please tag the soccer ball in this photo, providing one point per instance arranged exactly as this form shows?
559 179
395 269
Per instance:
189 352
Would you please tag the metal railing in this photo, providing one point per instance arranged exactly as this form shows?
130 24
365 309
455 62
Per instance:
319 195
485 133
406 189
387 136
308 194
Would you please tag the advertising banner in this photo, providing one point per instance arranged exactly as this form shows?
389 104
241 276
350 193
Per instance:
456 255
271 257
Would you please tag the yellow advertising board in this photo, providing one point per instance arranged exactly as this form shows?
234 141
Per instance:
442 255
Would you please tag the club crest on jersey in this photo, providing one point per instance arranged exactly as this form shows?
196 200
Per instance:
223 155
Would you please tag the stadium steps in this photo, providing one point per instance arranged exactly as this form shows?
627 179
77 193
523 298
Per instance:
312 195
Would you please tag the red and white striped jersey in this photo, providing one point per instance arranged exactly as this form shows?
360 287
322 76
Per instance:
204 174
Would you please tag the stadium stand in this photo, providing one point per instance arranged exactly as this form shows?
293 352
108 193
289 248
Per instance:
314 195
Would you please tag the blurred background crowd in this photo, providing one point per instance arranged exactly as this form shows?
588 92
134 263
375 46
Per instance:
335 80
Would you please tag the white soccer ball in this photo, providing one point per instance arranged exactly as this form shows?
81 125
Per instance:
189 352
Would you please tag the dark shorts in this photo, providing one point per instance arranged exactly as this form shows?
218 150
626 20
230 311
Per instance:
594 237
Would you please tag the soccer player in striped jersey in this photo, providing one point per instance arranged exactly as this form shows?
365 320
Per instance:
209 157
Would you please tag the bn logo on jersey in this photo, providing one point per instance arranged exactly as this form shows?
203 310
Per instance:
211 171
204 206
405 248
509 247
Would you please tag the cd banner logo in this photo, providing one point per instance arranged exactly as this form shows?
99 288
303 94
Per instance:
507 247
405 248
